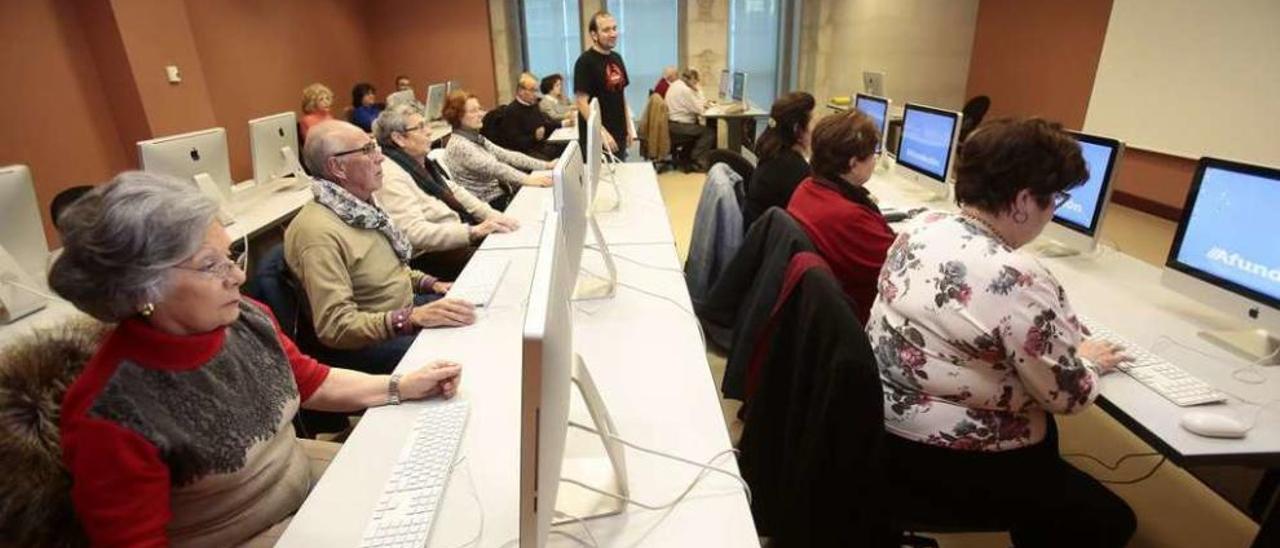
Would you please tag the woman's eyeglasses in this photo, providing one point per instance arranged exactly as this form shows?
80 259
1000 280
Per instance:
221 268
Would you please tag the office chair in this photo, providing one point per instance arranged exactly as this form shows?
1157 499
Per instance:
974 110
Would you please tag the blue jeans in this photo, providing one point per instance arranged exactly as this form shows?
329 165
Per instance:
377 359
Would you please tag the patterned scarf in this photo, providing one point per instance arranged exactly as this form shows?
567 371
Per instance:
361 214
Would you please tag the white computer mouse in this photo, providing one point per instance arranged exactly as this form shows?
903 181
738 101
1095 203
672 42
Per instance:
1213 425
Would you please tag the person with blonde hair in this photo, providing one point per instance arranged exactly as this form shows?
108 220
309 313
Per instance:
317 100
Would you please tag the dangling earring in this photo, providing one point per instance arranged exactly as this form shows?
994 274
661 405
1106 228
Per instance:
147 310
1019 217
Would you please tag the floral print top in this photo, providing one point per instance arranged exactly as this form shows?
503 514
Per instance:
974 340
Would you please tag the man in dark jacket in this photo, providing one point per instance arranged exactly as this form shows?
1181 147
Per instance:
524 127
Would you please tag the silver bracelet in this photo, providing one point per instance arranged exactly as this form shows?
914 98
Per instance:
393 389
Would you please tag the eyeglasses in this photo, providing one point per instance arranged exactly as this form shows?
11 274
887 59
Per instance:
1060 198
414 128
368 150
221 268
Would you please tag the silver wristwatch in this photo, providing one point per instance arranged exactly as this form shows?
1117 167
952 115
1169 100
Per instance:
393 389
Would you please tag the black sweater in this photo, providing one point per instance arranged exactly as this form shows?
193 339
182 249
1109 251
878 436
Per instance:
518 124
772 183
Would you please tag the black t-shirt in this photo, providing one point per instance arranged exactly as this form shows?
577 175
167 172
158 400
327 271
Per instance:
772 183
603 77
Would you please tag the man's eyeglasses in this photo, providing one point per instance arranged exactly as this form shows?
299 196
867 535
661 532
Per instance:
368 149
1060 199
222 267
414 128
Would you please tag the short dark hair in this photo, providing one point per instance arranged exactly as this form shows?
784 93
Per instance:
359 91
593 26
839 138
1003 157
549 83
788 117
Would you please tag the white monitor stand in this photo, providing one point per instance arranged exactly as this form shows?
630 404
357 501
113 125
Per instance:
592 286
210 189
18 294
606 471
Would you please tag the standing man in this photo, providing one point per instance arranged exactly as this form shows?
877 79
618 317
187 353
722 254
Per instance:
600 74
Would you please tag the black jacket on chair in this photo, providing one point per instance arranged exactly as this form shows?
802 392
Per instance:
810 448
740 301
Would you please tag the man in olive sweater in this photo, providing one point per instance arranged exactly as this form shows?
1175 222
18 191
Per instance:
352 261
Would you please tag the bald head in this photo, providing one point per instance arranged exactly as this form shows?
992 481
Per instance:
332 151
669 74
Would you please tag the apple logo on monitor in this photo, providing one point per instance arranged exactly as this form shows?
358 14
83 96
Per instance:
280 130
195 155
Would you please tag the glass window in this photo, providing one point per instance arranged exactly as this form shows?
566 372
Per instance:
552 37
753 46
648 41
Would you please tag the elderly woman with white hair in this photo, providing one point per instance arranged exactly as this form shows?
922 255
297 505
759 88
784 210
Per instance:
179 428
442 220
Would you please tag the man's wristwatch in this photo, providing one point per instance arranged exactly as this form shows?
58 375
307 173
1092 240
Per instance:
393 390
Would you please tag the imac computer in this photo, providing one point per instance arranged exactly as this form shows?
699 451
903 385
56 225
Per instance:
1224 253
550 370
402 97
878 109
725 84
1077 223
928 147
572 193
21 230
435 101
739 95
273 142
23 248
873 83
199 157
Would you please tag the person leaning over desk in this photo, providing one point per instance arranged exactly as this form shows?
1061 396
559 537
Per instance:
352 261
436 215
837 213
978 344
179 430
488 171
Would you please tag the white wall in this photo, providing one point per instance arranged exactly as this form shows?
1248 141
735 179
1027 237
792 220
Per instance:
1192 78
923 46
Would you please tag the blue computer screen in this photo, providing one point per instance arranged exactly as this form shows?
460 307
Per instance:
926 141
1232 230
876 110
739 85
1079 210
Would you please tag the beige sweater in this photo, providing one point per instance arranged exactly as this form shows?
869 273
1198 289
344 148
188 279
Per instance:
352 277
425 219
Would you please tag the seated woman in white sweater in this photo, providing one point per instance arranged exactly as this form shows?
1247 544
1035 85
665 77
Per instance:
490 172
441 219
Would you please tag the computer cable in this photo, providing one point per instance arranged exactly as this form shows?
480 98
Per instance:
1120 461
1138 479
581 522
475 496
637 262
706 469
13 280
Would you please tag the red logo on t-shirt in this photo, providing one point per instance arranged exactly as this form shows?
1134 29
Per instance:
614 79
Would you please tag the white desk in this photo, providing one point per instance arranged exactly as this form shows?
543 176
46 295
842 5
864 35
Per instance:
731 127
659 395
1125 294
256 209
641 218
564 134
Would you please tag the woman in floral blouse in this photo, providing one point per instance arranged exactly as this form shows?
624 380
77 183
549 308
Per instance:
977 344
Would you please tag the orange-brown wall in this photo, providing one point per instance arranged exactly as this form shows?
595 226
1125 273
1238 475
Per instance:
257 57
432 42
1039 58
84 79
53 114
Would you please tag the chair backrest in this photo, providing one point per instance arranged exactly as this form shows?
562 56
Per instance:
493 126
739 163
273 284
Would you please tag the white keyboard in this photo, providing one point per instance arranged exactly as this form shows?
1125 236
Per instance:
412 494
1163 377
479 280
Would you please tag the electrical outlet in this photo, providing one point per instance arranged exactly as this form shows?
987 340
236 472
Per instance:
172 73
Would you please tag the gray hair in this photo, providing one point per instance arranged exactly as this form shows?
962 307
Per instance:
121 239
323 141
393 120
